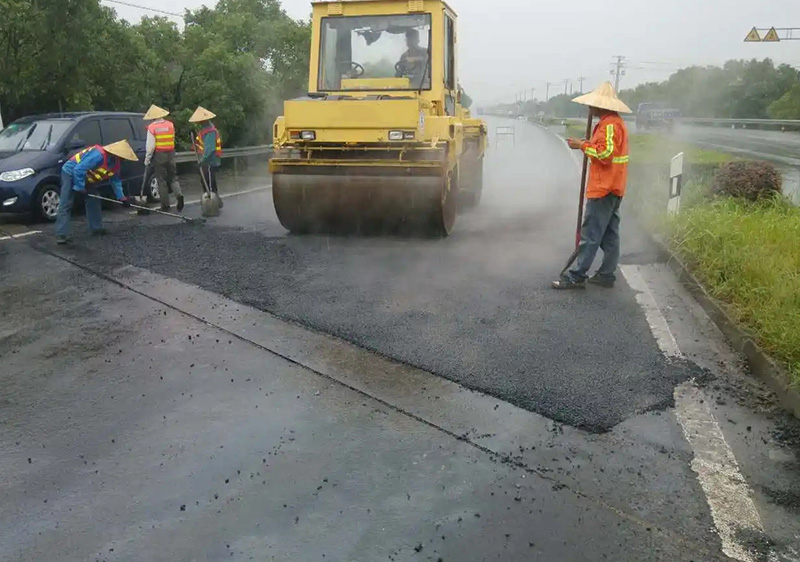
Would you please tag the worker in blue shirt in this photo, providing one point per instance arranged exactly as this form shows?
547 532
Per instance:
90 166
209 145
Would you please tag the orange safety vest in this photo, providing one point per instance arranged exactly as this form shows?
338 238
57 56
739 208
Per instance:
102 172
164 132
199 140
608 155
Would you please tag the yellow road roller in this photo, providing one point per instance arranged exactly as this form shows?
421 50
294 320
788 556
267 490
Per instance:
381 141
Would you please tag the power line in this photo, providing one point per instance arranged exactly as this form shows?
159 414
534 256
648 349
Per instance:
145 8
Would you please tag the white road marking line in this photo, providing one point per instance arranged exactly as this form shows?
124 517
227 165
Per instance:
727 493
15 236
226 195
658 324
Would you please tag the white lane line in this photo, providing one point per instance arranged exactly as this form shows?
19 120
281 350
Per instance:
726 490
226 195
22 235
658 324
727 493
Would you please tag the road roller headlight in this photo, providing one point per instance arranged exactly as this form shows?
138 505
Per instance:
304 135
401 135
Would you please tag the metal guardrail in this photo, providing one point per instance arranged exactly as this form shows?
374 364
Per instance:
240 152
761 122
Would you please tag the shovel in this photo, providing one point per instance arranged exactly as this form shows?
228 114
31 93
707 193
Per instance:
210 202
581 200
189 220
142 199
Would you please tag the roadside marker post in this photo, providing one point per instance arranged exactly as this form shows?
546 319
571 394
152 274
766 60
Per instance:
675 184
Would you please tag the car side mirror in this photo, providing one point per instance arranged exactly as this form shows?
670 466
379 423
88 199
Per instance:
74 144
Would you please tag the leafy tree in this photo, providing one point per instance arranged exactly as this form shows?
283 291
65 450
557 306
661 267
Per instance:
787 106
240 59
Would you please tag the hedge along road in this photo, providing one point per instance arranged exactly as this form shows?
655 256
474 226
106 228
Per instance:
580 389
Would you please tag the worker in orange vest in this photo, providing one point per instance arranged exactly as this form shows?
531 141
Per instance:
607 151
161 150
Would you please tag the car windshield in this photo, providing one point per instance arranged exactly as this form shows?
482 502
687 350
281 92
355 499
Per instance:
32 135
375 53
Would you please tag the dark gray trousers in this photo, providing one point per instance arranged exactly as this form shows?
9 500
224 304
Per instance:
600 229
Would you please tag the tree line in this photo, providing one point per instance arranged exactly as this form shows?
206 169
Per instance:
240 59
739 89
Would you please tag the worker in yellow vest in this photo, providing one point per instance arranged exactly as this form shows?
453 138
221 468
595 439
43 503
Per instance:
160 149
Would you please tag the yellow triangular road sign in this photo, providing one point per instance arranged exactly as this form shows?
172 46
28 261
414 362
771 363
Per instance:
771 35
753 36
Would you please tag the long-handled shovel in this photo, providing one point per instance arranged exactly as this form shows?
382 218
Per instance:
189 220
142 199
581 199
210 202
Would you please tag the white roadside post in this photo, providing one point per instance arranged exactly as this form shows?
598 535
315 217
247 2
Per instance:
675 184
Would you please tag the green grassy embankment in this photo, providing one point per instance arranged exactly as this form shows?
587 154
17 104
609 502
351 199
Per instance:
747 255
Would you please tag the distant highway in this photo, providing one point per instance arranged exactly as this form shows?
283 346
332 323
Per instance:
781 148
776 146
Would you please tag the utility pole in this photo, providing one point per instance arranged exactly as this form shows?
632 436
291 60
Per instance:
618 70
532 90
547 93
580 80
566 85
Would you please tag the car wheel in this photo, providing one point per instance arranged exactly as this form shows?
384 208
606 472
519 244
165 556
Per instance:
151 190
47 200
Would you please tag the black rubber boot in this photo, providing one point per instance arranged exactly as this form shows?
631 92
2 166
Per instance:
179 206
601 281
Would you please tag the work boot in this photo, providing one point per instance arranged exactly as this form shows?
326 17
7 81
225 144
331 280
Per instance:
179 206
165 208
99 232
61 240
565 282
601 281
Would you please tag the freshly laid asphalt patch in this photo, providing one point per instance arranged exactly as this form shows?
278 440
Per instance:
586 359
475 308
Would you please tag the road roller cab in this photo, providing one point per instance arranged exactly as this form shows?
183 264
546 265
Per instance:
381 140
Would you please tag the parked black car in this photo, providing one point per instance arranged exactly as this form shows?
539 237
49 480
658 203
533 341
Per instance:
33 149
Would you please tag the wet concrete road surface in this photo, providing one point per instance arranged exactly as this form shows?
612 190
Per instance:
163 398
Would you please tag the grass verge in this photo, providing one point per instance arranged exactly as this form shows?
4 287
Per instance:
746 255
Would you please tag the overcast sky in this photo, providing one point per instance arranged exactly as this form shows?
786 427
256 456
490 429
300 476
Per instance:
510 45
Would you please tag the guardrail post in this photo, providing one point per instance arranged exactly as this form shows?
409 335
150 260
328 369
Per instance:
235 166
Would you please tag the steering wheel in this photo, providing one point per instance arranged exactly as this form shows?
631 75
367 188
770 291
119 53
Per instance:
352 69
400 69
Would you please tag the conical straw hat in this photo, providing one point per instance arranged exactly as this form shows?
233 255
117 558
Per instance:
121 149
201 114
604 97
155 112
